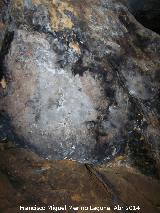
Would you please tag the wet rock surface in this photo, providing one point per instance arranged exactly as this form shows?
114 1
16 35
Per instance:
78 80
82 81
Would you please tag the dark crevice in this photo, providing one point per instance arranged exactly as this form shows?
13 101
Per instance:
4 51
147 13
78 68
149 22
114 194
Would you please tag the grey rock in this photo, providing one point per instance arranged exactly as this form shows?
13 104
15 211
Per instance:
83 81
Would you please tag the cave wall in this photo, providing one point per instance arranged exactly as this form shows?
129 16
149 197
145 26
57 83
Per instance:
82 81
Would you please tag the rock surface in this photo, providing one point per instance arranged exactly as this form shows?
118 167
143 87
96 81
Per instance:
78 80
27 180
82 80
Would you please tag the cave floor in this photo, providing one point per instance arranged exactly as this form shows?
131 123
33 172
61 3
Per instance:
27 180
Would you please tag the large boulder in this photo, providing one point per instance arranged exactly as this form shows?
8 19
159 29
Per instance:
83 80
147 12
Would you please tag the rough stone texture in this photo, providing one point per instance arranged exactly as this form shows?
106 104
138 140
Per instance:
83 81
78 80
27 180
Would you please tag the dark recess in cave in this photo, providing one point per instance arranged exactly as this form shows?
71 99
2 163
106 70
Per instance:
147 12
4 51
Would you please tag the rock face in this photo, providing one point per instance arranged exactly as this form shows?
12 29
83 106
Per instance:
83 80
52 105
